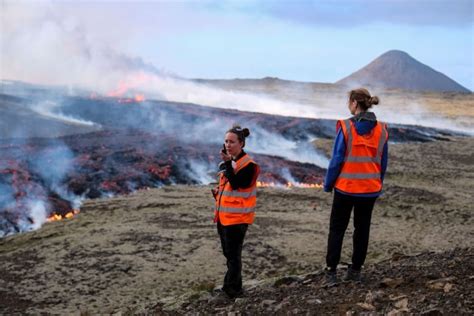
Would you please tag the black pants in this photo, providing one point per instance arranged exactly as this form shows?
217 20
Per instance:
340 216
232 239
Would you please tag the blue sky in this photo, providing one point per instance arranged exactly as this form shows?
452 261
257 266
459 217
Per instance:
320 41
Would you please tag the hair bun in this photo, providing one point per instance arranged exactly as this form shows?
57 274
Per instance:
245 132
374 100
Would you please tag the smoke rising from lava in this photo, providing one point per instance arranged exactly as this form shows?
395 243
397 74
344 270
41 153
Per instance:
52 109
59 49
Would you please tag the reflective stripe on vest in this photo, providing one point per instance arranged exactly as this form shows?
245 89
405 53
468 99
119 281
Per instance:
361 159
240 194
382 140
237 209
347 123
242 162
360 175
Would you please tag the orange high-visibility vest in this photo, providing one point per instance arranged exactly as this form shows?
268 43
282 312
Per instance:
236 206
361 170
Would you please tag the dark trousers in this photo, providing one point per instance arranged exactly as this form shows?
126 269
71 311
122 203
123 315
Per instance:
340 216
232 239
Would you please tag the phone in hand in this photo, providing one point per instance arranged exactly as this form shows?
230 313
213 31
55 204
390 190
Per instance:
224 150
214 192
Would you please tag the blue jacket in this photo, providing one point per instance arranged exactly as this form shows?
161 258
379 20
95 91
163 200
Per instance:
364 123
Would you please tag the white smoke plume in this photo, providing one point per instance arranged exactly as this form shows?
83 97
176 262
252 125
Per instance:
25 206
52 109
414 113
57 51
264 142
202 172
37 214
50 46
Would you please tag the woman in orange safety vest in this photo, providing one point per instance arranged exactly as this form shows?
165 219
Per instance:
236 198
355 172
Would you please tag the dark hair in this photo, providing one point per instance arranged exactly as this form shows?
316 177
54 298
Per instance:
363 98
241 133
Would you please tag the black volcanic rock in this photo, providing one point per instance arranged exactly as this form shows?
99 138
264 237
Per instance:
55 172
397 69
18 120
424 284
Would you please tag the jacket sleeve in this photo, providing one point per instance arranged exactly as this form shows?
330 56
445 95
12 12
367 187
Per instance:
335 165
243 179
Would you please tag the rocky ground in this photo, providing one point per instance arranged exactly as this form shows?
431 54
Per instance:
425 284
157 251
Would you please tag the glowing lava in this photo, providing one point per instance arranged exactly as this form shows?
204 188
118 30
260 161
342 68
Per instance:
57 217
138 98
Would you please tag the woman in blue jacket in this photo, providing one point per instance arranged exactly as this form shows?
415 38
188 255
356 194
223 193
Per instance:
355 172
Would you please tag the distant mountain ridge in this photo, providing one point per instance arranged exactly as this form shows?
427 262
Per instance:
396 69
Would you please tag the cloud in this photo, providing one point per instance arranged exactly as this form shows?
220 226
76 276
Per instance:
346 13
95 43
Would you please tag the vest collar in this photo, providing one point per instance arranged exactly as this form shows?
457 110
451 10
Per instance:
241 162
242 153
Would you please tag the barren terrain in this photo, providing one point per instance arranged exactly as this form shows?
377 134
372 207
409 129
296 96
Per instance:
129 253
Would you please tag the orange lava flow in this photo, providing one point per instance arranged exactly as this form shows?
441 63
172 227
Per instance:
127 90
57 217
139 98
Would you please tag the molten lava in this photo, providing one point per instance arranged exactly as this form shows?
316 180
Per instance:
58 217
120 90
126 87
137 99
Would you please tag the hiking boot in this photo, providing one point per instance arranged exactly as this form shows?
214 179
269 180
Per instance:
330 277
218 297
217 291
352 275
234 294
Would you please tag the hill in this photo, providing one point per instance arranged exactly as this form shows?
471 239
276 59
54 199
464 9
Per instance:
396 69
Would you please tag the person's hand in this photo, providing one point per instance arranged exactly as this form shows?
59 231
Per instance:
215 191
225 157
326 189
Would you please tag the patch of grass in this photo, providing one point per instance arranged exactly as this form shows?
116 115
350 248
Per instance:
204 286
